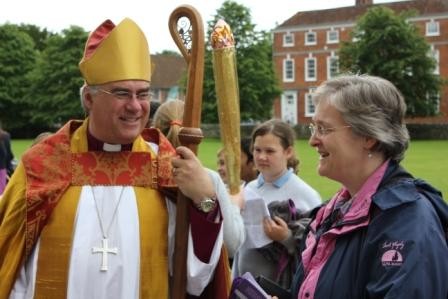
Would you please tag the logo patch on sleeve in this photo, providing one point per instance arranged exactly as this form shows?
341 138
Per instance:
392 253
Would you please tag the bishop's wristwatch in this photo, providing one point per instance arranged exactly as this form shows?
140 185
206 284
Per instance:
207 204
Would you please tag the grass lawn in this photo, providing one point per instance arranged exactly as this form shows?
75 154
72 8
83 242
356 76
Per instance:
424 159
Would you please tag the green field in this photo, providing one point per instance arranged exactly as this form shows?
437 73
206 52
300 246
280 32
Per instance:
424 159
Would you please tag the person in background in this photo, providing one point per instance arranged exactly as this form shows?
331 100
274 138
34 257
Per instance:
152 111
248 171
221 164
6 158
274 157
85 216
384 233
168 119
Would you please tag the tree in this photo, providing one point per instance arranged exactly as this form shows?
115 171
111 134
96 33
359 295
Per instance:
387 45
39 36
258 84
17 59
56 81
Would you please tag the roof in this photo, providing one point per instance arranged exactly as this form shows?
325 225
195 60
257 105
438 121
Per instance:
168 70
350 13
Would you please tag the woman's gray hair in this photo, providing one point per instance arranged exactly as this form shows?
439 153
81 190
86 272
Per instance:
373 107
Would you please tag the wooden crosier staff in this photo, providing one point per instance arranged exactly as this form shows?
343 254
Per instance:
186 28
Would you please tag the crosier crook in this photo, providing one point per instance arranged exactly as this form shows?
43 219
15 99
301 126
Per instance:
186 28
190 42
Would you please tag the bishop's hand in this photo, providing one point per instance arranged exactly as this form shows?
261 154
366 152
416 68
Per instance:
190 176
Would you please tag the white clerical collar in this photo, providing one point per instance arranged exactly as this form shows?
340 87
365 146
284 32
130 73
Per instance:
107 147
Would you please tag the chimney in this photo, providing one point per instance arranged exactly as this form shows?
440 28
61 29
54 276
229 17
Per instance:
364 2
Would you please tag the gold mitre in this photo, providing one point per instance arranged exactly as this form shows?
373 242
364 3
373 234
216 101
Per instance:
116 53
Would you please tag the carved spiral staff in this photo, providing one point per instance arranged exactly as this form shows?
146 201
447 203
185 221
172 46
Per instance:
187 31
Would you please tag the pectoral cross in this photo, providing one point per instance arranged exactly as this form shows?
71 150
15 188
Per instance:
104 250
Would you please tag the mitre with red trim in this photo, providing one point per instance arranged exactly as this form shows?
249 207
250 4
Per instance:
116 53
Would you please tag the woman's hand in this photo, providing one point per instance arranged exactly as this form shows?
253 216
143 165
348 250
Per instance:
276 228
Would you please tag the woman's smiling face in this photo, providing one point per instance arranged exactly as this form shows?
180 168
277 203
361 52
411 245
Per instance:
341 152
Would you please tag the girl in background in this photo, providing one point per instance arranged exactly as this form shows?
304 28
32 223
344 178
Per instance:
248 171
277 183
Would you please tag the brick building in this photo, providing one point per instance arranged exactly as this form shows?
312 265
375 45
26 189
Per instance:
305 52
165 79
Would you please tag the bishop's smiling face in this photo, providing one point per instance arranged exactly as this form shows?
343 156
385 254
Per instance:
114 120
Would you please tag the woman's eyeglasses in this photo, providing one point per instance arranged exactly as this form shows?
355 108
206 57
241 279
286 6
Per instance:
319 131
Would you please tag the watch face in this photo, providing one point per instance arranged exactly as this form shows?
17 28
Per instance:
207 205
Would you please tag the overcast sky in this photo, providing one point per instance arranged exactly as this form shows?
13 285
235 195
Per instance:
152 16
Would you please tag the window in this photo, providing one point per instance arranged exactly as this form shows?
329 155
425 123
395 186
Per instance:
310 109
356 36
310 38
434 53
289 107
332 36
332 66
288 40
310 69
288 70
155 95
432 28
434 98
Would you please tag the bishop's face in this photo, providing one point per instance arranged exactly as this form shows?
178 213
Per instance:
118 111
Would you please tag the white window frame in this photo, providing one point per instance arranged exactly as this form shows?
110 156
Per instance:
307 41
288 67
289 110
156 95
432 28
437 96
310 109
332 36
308 70
330 60
288 39
435 54
356 39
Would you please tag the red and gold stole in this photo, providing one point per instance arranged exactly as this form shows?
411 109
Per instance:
56 170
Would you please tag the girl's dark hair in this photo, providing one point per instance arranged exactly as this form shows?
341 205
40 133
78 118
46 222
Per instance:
286 135
246 148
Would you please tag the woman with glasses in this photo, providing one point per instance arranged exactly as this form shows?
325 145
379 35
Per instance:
383 234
